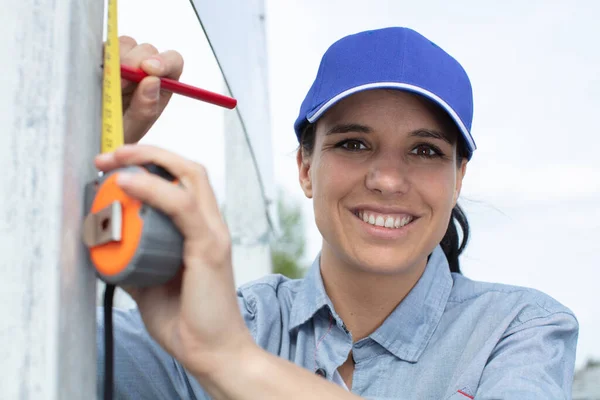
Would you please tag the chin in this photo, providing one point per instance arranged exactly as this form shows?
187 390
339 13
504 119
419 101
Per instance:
386 261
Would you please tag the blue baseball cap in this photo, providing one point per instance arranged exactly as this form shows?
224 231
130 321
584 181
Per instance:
390 58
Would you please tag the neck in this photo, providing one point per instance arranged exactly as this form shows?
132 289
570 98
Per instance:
363 299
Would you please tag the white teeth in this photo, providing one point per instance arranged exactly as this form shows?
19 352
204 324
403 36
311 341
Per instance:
384 221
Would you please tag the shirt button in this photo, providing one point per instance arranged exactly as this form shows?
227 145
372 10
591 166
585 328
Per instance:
321 372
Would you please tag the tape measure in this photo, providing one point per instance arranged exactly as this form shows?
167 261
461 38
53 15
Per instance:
112 107
130 243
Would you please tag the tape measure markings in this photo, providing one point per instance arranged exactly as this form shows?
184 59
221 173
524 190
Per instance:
112 106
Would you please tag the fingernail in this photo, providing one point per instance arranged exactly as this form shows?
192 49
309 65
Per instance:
124 178
152 90
154 63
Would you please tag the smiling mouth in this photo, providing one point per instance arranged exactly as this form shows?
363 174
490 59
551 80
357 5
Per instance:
384 220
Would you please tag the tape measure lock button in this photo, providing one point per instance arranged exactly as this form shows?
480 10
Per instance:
104 226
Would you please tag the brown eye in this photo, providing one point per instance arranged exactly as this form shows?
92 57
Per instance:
425 151
352 145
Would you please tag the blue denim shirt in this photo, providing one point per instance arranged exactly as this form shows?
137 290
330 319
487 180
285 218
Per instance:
450 338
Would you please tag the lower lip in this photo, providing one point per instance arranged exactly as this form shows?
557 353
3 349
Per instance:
383 232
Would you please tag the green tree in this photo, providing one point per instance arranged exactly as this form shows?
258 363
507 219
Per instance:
288 248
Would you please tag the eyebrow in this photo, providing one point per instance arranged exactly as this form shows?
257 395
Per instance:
432 134
420 133
345 128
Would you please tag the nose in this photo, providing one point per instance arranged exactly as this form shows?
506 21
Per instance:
388 174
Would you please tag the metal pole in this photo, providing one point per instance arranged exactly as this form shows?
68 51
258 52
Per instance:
244 207
249 173
50 121
249 191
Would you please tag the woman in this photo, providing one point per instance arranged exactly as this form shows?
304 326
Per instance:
384 312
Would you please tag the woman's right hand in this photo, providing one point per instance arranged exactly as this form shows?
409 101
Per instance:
195 317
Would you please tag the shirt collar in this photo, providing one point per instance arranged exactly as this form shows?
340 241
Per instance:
408 329
311 297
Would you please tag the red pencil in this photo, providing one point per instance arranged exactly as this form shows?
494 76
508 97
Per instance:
136 75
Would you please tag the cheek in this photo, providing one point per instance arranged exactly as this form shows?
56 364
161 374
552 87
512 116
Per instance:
437 187
333 179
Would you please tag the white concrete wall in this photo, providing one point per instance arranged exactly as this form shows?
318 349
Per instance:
50 129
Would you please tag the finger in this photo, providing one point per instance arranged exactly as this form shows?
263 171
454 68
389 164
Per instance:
143 154
176 202
191 175
143 109
203 189
155 191
167 64
126 44
136 55
147 102
133 57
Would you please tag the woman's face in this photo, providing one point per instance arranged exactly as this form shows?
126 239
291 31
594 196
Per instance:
384 178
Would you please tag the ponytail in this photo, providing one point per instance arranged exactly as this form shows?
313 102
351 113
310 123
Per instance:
450 244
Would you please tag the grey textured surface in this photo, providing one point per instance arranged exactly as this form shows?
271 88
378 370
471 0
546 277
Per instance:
50 117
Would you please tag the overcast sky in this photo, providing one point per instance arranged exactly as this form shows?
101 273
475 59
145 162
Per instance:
532 190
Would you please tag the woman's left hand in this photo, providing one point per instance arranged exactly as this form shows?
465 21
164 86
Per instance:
195 317
144 102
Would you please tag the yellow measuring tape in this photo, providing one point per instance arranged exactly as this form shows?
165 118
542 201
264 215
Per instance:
112 107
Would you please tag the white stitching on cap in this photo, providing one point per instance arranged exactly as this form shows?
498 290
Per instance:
413 88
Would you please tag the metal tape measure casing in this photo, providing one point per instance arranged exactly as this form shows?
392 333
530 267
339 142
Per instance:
130 243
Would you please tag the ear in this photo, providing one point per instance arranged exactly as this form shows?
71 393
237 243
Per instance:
460 174
304 173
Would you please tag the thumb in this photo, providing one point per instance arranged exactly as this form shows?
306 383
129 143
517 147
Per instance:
143 110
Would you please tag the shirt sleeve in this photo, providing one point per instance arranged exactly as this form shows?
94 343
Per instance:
534 360
142 369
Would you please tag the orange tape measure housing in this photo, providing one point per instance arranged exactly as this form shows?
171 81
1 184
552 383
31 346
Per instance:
112 258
